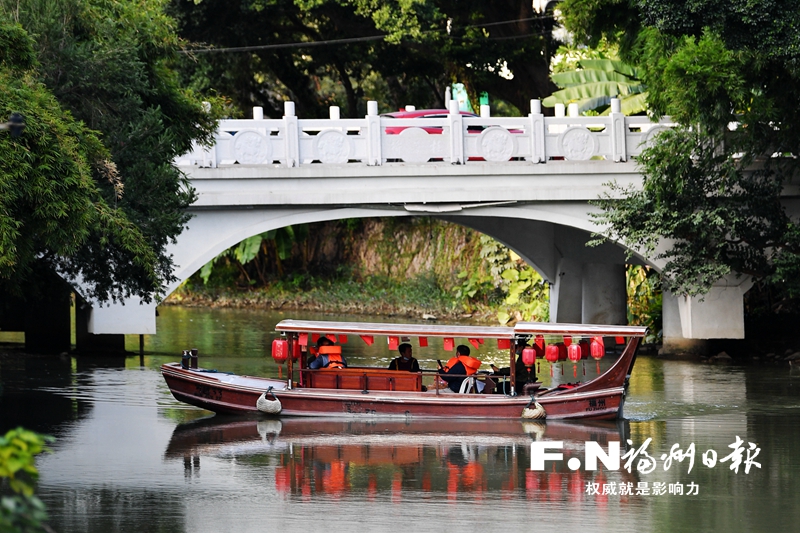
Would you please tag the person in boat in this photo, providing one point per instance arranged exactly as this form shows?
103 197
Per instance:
328 355
314 352
406 361
520 371
459 368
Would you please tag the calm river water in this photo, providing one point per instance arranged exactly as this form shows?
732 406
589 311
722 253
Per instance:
128 457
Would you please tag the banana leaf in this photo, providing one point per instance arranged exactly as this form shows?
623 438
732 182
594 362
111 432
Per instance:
247 250
284 239
631 105
581 77
592 90
610 65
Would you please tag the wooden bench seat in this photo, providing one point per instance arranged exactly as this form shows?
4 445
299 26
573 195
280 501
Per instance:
356 378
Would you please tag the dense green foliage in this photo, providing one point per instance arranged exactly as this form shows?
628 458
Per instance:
51 203
109 62
22 511
711 191
645 299
398 53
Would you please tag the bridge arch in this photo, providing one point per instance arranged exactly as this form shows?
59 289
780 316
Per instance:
541 236
587 284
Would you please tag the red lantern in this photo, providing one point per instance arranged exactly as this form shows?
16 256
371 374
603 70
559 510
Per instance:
574 355
551 353
574 352
598 349
584 344
528 356
280 350
562 351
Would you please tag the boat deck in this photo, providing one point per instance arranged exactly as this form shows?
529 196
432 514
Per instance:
235 380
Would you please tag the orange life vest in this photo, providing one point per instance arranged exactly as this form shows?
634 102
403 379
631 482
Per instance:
334 355
470 363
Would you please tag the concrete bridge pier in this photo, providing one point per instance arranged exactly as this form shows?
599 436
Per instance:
587 283
589 293
604 295
690 321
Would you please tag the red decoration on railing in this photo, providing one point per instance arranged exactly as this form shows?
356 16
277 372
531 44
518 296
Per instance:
539 351
423 342
296 350
449 344
394 342
342 339
314 338
540 342
476 342
302 339
369 340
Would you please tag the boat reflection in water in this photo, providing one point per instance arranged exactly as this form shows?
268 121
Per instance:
396 460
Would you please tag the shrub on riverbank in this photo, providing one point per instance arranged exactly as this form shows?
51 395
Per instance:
415 297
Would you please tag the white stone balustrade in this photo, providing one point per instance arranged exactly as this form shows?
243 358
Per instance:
454 138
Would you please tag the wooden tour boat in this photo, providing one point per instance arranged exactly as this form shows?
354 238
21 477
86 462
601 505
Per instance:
356 392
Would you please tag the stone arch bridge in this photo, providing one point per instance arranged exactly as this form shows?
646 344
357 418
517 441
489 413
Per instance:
526 181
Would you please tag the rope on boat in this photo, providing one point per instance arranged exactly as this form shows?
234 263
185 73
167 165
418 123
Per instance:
265 405
537 413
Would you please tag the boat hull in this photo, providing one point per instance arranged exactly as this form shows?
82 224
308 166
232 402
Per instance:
208 392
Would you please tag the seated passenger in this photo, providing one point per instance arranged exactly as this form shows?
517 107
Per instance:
520 370
405 361
314 352
329 356
459 368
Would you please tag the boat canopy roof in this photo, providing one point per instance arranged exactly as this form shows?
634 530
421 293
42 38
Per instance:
399 330
584 330
445 330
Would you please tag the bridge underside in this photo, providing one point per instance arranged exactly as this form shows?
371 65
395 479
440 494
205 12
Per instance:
588 283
